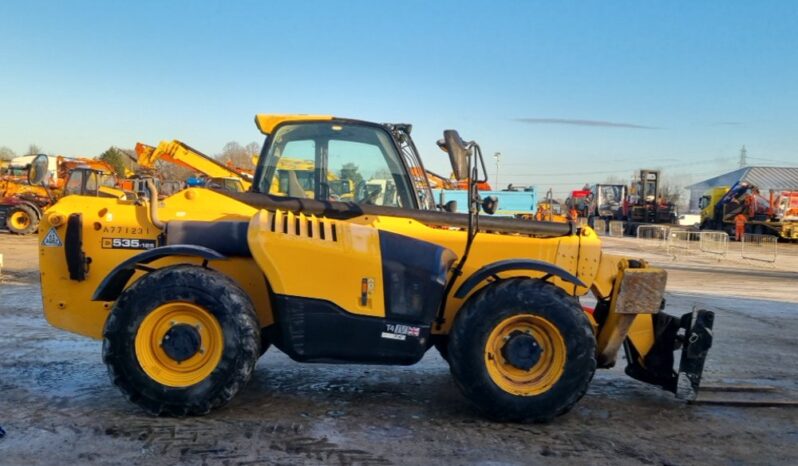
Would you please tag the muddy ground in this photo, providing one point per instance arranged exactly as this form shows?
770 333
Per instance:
58 406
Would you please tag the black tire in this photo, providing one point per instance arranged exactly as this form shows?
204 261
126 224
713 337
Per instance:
213 292
492 306
31 224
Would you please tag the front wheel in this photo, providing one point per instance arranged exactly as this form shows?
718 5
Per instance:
182 340
522 350
22 220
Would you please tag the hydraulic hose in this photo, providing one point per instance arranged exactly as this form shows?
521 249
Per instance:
156 222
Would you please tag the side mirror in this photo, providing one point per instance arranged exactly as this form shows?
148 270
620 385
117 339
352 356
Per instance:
39 170
458 153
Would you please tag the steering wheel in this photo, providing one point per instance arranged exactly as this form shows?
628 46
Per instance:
367 194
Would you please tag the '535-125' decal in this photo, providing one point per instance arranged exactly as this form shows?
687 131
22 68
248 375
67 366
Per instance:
128 243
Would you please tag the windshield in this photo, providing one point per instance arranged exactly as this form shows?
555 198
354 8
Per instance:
13 171
225 184
108 180
74 184
88 182
334 161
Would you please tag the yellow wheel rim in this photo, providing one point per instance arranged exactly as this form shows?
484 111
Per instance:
544 373
155 361
20 220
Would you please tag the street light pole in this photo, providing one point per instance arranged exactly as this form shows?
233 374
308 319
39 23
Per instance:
496 156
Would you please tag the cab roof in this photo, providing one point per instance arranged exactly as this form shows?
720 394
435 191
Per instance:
267 121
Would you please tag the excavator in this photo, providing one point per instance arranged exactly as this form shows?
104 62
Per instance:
216 175
437 181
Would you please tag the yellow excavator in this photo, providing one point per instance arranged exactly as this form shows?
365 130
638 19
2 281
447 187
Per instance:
217 175
187 292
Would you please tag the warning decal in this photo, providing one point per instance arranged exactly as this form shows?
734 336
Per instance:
52 240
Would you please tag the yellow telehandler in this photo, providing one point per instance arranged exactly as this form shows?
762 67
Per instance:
186 293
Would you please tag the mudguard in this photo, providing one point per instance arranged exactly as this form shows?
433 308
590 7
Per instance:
514 264
113 284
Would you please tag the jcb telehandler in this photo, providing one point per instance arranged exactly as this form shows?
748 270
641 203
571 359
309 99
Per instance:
188 292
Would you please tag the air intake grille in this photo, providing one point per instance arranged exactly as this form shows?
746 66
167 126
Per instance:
301 225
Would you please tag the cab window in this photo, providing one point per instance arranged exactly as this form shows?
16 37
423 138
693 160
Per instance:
234 186
107 180
91 183
334 161
363 166
74 184
295 173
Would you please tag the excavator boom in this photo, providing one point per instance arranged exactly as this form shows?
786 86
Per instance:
185 156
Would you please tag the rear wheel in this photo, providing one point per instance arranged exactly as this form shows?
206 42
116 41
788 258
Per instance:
22 220
181 341
522 350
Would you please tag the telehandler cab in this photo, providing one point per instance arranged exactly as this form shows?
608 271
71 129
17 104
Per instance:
188 292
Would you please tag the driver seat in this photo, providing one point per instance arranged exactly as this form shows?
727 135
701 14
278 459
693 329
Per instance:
294 188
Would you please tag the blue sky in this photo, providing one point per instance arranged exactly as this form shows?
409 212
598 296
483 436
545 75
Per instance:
568 92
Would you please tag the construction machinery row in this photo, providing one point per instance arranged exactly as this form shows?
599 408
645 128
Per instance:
721 207
22 204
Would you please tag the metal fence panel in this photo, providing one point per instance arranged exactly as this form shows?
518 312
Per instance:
759 247
684 243
714 242
616 228
600 226
653 236
653 232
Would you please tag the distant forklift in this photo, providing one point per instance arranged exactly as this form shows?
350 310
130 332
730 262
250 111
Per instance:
645 204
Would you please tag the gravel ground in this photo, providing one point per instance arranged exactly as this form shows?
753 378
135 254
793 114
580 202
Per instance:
58 406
